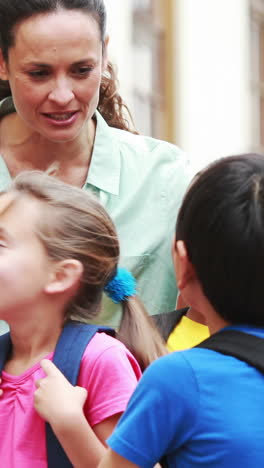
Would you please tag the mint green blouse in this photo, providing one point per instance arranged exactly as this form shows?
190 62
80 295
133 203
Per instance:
140 181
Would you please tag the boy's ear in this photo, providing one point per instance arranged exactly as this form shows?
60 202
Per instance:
183 267
64 277
4 75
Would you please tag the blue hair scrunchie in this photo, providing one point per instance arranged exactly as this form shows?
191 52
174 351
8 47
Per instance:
123 285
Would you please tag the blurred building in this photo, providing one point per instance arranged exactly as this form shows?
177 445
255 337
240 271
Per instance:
192 71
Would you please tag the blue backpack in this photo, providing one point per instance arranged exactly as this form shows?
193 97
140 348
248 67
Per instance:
67 357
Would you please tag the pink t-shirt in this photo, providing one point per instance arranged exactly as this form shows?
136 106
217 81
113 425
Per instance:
108 371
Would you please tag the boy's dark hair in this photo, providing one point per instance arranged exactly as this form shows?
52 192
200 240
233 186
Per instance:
221 221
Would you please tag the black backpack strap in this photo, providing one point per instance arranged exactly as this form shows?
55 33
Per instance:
67 357
166 322
163 462
5 348
243 346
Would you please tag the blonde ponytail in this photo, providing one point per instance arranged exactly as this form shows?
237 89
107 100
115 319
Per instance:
139 333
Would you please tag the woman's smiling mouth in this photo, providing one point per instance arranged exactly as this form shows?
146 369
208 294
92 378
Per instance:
60 117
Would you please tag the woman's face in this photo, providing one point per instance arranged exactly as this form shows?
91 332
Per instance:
54 70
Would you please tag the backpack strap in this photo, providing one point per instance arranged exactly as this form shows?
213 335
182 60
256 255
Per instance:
243 346
5 348
166 322
71 345
67 357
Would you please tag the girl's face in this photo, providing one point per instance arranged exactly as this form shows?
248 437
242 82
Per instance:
25 268
54 70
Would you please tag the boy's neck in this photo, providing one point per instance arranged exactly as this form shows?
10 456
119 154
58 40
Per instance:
217 323
210 317
201 309
196 316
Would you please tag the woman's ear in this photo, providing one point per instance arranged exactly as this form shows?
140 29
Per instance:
4 75
65 276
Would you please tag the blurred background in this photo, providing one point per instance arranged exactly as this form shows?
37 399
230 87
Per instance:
192 72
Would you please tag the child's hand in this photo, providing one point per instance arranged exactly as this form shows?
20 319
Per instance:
1 391
56 400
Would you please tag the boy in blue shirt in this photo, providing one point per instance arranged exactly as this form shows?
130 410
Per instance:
200 408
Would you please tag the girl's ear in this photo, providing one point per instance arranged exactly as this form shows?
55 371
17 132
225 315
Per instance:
4 75
65 276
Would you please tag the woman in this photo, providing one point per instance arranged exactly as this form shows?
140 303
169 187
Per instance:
60 105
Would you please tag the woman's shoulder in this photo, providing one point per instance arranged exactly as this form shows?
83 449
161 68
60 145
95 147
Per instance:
146 144
144 157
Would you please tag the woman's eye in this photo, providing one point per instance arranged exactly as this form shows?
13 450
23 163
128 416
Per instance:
39 74
83 71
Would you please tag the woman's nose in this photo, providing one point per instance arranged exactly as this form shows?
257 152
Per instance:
62 94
